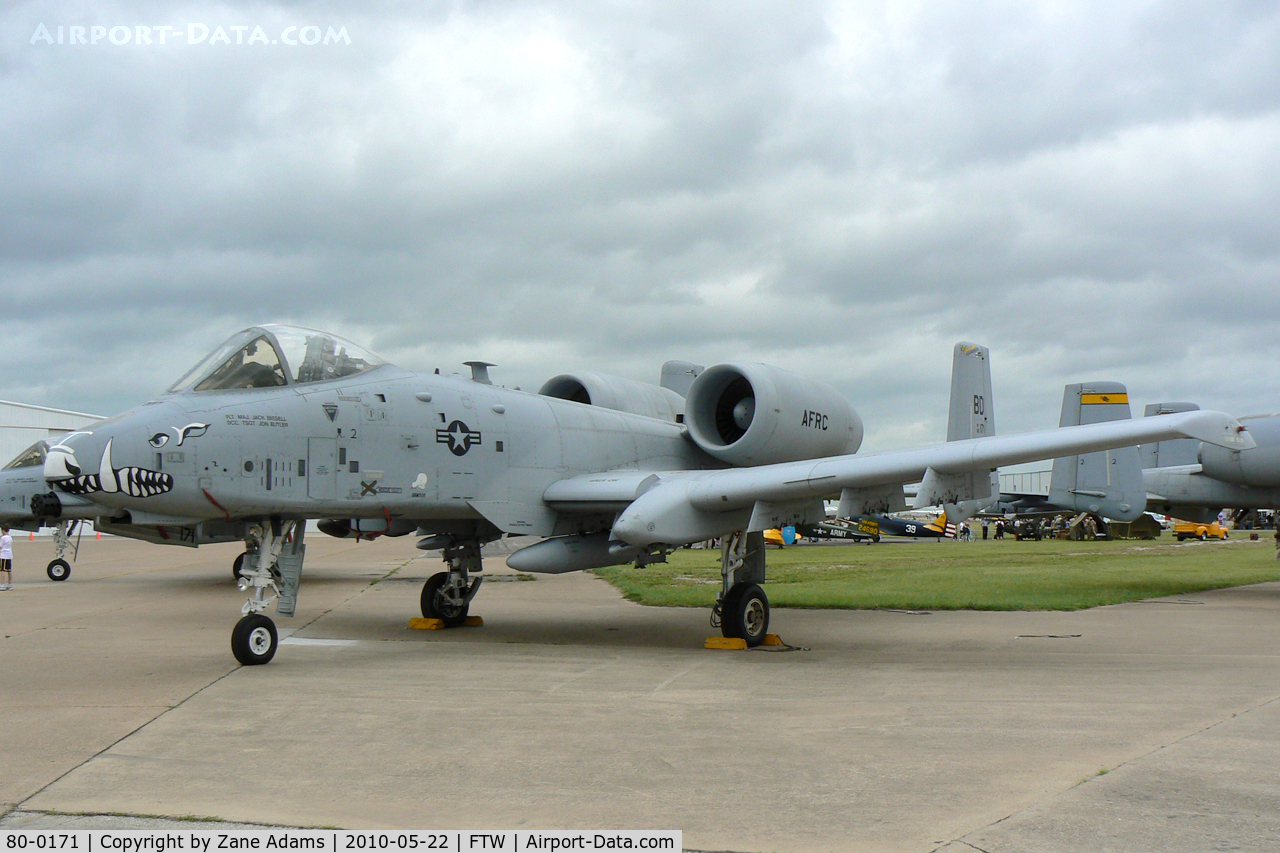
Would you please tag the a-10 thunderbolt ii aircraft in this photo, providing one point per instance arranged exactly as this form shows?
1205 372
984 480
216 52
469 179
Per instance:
1183 478
20 481
282 424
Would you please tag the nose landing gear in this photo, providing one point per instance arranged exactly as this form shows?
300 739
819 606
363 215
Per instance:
59 569
254 640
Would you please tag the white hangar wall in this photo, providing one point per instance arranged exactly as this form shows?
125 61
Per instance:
22 425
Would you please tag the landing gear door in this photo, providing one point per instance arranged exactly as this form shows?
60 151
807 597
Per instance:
322 464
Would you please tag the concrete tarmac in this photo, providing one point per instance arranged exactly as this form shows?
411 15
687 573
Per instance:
1146 726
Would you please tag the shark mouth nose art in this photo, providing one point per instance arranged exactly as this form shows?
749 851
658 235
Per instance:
131 480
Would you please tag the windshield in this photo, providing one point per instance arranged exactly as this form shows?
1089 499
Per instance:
232 344
271 356
254 365
33 455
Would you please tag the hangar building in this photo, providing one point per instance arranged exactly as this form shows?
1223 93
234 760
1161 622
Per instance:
22 425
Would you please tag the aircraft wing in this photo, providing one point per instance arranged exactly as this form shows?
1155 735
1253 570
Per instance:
674 508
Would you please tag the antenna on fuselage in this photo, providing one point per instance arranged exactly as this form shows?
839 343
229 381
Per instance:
480 371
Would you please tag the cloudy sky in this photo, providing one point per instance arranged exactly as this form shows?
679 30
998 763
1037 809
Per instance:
1092 189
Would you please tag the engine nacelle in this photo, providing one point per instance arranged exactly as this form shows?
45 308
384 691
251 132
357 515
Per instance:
1258 466
614 392
754 414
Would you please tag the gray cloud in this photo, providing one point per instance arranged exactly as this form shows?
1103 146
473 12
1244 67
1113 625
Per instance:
842 189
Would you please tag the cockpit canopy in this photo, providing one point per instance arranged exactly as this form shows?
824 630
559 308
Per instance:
32 456
272 356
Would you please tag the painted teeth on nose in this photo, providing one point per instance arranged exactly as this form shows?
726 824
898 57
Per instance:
144 483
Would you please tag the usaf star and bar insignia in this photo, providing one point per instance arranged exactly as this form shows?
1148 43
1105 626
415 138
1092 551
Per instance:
459 437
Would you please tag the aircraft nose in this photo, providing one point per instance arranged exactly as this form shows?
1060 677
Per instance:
59 464
113 457
64 464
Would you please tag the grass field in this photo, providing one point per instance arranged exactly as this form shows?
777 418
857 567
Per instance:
936 575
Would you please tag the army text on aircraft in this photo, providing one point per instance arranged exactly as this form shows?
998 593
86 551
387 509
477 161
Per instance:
282 424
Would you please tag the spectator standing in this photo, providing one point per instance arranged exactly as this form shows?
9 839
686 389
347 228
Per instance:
6 558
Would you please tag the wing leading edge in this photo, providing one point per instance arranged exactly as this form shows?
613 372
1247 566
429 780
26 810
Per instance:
679 507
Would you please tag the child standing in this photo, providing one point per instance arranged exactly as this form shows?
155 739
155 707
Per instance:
6 558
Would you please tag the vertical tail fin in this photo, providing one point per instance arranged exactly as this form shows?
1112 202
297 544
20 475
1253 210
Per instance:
971 415
1107 483
1177 451
677 376
944 525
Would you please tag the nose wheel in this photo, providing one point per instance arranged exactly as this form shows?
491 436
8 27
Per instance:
59 570
254 640
269 571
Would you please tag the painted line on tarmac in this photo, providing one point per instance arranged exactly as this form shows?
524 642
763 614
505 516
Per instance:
308 641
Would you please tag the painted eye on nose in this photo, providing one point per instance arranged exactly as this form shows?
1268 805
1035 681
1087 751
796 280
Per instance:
159 440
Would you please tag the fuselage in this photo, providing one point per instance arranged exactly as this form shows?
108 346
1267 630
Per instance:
385 443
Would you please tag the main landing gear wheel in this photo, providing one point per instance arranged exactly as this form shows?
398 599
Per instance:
436 606
59 570
744 613
237 568
254 640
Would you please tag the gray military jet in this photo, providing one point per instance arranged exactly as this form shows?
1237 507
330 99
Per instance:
1184 478
20 507
283 424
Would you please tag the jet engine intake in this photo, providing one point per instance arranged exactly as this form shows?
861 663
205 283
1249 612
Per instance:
755 414
614 392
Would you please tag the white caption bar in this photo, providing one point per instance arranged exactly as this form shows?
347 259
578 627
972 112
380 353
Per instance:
338 841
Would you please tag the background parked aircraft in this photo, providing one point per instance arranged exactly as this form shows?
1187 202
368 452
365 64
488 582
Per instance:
21 480
1183 478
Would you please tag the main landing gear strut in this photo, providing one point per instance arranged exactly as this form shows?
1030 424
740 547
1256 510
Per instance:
269 573
742 610
447 595
59 569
